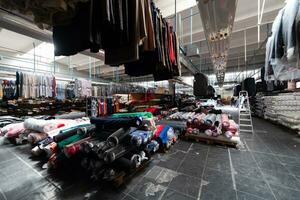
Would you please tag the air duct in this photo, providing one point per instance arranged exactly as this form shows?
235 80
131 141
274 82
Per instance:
217 18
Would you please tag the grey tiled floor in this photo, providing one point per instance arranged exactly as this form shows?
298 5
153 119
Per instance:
268 167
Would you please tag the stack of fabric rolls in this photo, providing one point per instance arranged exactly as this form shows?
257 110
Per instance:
212 125
105 147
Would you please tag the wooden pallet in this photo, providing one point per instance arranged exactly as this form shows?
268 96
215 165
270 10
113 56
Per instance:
220 140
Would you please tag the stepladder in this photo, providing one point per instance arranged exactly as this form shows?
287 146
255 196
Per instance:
245 118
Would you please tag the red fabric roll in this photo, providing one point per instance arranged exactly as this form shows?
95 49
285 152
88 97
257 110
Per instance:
225 121
73 148
159 128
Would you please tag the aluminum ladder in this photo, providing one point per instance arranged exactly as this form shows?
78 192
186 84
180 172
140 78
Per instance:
245 119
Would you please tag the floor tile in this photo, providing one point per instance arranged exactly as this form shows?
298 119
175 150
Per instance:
217 185
219 165
225 193
242 158
170 163
195 160
245 196
186 185
148 189
191 169
256 146
285 193
252 186
294 169
216 179
182 145
281 179
173 195
248 171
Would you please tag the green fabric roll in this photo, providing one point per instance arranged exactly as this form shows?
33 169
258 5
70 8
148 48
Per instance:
70 140
136 114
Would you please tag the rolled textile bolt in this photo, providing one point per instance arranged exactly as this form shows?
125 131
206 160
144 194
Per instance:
136 140
64 134
34 138
87 146
109 174
112 122
72 115
87 130
225 121
210 119
145 136
218 121
56 160
116 137
115 153
73 148
196 131
208 132
51 149
37 150
136 160
152 147
228 134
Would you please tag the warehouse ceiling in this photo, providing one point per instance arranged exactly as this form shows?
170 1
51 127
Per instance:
18 35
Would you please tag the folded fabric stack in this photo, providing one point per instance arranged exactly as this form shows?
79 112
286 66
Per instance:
283 108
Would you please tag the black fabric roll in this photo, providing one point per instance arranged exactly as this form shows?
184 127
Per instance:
64 134
117 136
115 123
117 152
217 112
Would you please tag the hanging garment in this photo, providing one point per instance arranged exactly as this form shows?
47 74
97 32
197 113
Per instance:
288 27
74 37
129 52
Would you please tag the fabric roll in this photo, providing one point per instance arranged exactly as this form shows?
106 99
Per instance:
152 146
34 138
71 125
233 127
141 137
72 115
115 123
218 121
13 130
73 148
70 140
136 114
115 138
40 125
210 119
116 152
64 134
81 129
225 121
